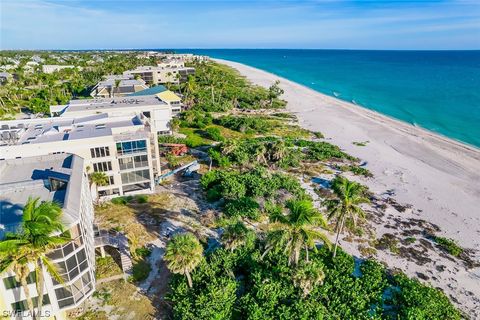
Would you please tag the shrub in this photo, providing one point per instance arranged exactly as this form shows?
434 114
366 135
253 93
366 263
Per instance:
140 271
360 171
246 124
221 160
244 207
119 201
194 141
141 198
214 133
413 300
170 139
449 245
195 119
318 135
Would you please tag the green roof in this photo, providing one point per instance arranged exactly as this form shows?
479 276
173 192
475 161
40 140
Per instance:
149 91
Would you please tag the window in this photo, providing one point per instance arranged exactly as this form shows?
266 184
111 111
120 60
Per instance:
100 152
22 305
11 282
57 184
133 162
130 147
135 176
102 166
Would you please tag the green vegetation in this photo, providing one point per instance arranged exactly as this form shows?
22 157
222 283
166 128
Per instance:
183 254
240 284
232 185
170 139
449 245
360 143
274 152
34 91
124 200
141 267
414 301
214 133
247 124
106 267
219 88
345 207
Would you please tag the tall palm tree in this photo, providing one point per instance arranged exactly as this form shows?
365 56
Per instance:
40 232
99 179
296 230
349 195
236 235
183 254
307 276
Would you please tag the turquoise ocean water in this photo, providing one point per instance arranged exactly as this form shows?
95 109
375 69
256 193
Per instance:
436 90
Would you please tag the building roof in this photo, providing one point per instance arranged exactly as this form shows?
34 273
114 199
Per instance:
28 177
62 129
168 96
148 92
108 104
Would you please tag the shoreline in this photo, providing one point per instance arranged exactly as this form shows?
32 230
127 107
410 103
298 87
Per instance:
435 175
370 112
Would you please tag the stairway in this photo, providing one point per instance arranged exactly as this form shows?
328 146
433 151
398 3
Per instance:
117 240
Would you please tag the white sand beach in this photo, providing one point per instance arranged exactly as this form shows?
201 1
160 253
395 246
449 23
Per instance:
438 176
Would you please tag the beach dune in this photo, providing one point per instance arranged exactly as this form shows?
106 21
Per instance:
438 176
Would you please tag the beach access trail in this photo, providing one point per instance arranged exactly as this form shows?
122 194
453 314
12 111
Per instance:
438 176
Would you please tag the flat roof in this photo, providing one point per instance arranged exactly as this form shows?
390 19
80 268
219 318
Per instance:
28 177
113 103
150 91
18 132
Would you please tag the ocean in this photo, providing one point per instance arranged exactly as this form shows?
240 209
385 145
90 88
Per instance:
436 90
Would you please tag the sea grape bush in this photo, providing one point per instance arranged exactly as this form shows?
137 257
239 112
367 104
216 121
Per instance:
242 285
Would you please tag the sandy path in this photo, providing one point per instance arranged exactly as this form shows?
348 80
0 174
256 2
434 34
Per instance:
438 176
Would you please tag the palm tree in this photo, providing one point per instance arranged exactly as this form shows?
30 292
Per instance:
99 179
236 235
260 152
183 254
229 147
296 230
40 232
117 85
349 195
278 150
307 276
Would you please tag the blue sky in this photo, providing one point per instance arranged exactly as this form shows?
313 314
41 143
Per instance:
117 24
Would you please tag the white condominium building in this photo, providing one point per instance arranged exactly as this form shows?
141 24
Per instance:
51 68
59 178
116 136
162 74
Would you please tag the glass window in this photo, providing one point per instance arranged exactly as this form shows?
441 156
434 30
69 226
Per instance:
11 282
22 305
65 303
71 262
81 255
68 249
86 279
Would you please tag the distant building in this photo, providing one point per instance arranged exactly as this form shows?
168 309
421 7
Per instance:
162 74
117 86
167 96
60 178
51 68
5 77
